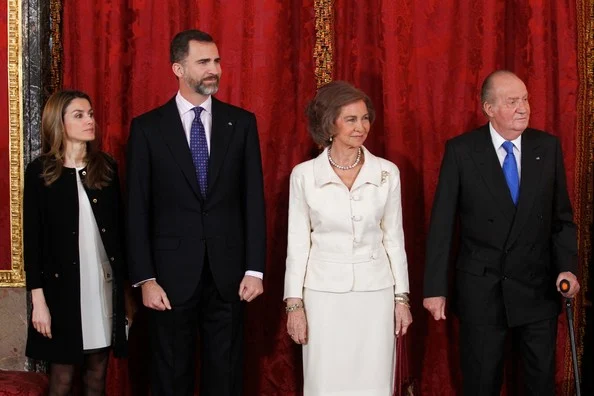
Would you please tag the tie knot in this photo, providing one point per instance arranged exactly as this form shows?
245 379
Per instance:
197 111
508 146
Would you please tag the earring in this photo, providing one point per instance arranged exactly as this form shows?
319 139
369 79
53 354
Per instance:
330 138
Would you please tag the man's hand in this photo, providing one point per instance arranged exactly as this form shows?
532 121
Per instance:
154 297
436 306
250 288
574 285
130 304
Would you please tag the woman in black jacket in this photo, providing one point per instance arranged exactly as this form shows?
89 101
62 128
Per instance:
73 240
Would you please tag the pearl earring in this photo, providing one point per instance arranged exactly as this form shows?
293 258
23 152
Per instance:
331 138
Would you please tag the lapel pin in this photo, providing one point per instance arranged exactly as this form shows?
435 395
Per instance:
538 158
229 123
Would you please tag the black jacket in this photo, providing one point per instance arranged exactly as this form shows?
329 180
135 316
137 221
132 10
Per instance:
52 254
509 257
171 227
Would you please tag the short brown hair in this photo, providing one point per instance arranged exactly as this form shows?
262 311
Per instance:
325 108
180 45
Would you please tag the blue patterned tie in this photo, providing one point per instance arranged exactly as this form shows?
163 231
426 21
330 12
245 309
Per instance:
510 171
199 149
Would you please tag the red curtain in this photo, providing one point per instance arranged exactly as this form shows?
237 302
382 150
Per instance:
422 63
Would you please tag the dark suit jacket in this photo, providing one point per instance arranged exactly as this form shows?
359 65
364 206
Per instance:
171 226
52 258
508 257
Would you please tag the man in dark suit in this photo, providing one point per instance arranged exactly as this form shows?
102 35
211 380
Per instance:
196 224
505 183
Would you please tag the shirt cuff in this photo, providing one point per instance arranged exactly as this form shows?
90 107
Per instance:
255 274
142 282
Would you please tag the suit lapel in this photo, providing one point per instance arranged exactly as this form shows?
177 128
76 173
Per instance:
175 138
486 160
532 158
223 127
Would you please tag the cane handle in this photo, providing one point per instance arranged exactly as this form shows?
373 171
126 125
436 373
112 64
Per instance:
564 286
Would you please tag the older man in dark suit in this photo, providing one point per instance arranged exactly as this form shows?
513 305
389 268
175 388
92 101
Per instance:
506 184
196 225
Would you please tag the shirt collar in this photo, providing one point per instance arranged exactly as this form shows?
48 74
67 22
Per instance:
498 140
183 106
371 171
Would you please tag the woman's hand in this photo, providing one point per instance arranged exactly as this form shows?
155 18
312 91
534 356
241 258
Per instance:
130 304
297 322
41 318
403 319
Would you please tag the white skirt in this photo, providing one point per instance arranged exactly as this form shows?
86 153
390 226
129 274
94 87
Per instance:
350 345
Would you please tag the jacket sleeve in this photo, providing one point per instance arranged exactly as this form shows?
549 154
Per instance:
393 234
443 215
254 208
563 236
32 226
120 220
298 239
138 176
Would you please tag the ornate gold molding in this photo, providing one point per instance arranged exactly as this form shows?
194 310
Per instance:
324 46
15 276
584 172
56 49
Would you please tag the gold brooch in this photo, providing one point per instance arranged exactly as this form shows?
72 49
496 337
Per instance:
385 175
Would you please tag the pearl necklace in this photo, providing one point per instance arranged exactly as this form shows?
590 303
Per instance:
345 167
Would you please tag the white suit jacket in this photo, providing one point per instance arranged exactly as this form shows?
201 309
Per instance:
341 240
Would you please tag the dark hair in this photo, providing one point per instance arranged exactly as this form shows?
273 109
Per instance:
487 88
179 48
53 131
325 108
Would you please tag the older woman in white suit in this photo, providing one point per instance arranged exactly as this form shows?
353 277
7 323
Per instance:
346 279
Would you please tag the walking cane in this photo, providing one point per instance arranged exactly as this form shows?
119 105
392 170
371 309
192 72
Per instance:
564 286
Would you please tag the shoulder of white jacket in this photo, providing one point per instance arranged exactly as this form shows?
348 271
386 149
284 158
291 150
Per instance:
385 164
303 167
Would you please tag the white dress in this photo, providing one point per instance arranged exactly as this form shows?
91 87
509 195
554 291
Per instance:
96 278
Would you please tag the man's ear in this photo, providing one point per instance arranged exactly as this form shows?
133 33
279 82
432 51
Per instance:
178 69
488 109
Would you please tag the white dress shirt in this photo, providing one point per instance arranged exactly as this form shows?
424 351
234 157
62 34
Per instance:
342 240
187 117
498 141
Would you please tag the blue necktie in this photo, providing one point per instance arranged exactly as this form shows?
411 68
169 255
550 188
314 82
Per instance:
199 149
510 171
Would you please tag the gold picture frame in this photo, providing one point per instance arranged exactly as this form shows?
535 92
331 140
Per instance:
15 277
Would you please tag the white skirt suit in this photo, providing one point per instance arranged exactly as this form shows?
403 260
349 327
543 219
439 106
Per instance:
346 259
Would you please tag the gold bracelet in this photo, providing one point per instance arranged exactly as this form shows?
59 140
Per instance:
407 305
402 298
293 307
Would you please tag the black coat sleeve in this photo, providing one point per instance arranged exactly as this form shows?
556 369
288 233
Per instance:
32 225
563 233
138 176
254 208
441 228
